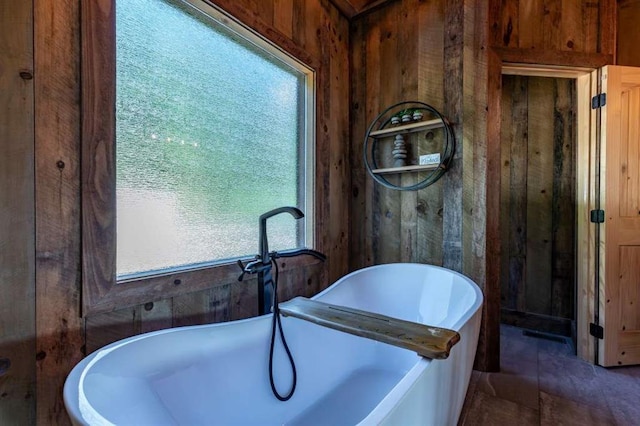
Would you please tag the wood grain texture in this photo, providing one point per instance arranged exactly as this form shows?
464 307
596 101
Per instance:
564 198
452 223
426 340
61 331
98 152
628 38
17 222
519 145
539 129
60 340
540 195
397 226
584 26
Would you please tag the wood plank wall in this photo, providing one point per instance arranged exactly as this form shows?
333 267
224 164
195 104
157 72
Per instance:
538 200
429 226
41 331
540 30
397 55
17 223
429 51
628 34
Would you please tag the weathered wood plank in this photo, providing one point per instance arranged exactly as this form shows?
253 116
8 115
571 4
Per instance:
531 14
156 315
572 30
337 173
553 25
563 210
220 303
431 91
283 16
60 330
103 329
17 222
628 38
554 57
388 207
358 236
518 195
244 299
453 104
540 190
192 309
506 136
510 23
407 46
427 341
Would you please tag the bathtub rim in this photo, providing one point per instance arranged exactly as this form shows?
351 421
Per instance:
71 394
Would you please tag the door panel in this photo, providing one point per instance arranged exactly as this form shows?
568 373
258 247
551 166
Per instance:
619 308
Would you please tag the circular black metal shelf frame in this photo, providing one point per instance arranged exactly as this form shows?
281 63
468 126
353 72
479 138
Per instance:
383 120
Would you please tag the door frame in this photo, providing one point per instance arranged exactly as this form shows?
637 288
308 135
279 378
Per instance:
586 138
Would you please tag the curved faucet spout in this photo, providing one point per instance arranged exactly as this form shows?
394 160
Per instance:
263 243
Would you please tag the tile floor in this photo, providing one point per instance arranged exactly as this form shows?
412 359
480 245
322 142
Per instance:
543 383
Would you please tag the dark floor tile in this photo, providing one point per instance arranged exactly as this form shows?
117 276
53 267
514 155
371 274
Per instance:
622 393
487 410
517 382
514 345
562 346
570 378
558 411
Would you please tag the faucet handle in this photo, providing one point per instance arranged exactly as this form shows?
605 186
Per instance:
242 268
253 267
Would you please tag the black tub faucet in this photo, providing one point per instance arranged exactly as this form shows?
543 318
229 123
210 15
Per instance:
262 263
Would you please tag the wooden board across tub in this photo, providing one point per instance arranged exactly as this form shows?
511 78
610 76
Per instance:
425 340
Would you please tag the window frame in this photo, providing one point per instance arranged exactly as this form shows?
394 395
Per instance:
101 292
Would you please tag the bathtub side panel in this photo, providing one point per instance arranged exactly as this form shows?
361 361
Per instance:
437 396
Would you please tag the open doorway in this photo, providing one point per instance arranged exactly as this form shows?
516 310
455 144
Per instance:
538 203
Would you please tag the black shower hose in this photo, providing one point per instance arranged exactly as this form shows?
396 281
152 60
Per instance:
277 320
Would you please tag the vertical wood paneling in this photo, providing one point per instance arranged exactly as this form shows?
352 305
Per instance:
531 13
313 28
453 110
518 195
156 315
538 157
508 85
430 90
359 235
586 26
540 194
388 207
628 37
563 209
60 340
407 45
17 223
399 51
106 328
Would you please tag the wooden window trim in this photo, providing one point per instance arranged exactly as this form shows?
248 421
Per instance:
100 292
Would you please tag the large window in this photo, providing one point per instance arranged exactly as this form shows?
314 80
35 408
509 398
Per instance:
212 129
192 127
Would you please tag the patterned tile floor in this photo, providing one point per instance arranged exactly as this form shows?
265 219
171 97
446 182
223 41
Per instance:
543 383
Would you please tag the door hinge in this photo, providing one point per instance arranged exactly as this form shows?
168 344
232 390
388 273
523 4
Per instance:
596 330
598 101
597 216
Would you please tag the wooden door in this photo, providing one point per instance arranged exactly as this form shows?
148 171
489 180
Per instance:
619 305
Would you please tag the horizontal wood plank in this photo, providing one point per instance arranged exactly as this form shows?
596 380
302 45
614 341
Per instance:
425 340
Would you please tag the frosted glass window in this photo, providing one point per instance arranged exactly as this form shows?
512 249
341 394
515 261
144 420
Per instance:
211 132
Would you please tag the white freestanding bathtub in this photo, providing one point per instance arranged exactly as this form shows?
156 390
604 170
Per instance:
218 374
